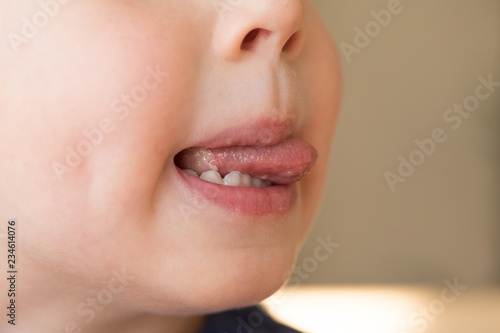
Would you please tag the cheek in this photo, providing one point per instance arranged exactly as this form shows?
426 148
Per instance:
324 91
95 118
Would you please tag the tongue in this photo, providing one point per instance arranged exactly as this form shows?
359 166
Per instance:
284 163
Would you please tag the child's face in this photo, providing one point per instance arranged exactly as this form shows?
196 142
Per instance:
95 104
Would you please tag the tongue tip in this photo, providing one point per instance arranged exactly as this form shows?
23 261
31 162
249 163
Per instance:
298 167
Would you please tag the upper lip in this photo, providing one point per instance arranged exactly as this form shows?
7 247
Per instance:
267 131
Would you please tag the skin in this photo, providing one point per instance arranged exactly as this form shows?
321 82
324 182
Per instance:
120 210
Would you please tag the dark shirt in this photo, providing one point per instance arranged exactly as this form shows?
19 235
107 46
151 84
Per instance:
247 320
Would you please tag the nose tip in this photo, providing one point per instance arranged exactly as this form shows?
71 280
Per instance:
270 28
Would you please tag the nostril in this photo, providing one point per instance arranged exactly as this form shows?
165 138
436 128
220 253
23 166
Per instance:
290 42
258 35
249 39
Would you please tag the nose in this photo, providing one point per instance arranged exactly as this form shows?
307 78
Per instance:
267 28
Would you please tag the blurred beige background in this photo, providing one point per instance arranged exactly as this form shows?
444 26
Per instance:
444 220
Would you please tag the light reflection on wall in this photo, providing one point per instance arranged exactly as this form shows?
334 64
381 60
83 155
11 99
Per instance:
386 309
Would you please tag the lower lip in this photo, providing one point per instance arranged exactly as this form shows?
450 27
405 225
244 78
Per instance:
251 201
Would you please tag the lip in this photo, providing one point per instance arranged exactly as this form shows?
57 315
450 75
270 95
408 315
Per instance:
273 134
250 201
262 132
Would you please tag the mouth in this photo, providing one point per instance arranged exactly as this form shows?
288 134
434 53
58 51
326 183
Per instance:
251 179
250 166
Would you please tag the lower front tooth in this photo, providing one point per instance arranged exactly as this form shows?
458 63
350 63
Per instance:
246 180
212 176
257 182
233 178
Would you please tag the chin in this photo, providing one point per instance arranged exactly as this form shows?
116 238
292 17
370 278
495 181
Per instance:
220 281
247 283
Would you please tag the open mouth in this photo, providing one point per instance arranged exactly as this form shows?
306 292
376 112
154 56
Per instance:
250 166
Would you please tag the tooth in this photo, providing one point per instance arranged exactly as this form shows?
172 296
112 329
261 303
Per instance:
212 176
257 182
233 178
246 180
191 172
